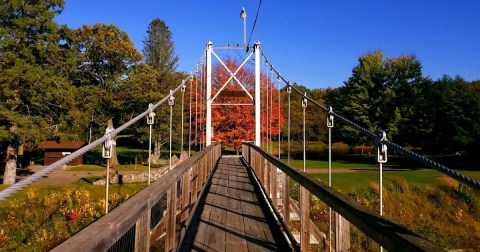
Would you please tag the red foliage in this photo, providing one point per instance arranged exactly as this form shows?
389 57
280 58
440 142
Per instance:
235 123
74 215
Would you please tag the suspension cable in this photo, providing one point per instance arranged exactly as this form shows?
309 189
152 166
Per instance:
289 92
267 127
278 125
45 171
196 109
254 23
400 149
304 106
190 119
170 103
271 110
182 122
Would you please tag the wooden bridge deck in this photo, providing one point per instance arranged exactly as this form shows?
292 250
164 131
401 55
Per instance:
230 216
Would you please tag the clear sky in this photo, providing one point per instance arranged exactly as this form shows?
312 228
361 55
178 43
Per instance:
314 43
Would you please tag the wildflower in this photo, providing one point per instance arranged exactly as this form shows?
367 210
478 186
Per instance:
74 215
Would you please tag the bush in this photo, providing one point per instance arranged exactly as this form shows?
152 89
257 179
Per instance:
400 184
466 194
447 183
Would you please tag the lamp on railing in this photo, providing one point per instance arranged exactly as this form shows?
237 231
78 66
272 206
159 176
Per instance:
243 15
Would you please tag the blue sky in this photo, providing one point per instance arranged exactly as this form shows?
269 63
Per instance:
313 43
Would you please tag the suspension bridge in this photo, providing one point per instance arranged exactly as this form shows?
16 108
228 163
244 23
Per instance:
215 202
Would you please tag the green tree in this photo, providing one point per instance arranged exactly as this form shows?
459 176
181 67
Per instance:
105 57
159 54
159 49
36 97
380 95
315 127
453 116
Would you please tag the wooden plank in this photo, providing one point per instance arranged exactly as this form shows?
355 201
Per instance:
235 219
170 242
286 200
142 233
304 219
215 235
274 186
110 228
342 233
390 235
185 196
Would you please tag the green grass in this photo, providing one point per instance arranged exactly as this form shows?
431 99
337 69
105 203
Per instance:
320 164
350 182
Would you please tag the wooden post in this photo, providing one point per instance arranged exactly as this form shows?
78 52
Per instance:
267 181
286 200
342 233
274 184
186 194
304 219
194 184
170 243
142 233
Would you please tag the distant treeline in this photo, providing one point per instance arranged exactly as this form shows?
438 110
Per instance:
391 94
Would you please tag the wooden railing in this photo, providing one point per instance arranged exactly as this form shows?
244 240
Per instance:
151 217
389 235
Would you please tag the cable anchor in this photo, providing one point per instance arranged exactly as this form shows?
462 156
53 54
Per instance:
289 88
304 100
382 147
150 115
107 151
330 118
171 99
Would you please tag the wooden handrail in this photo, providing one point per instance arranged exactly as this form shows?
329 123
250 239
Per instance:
105 232
391 236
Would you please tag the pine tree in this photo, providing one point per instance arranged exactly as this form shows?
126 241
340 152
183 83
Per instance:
159 49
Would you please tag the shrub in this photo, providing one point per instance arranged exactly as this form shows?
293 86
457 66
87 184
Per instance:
466 194
340 149
400 184
447 183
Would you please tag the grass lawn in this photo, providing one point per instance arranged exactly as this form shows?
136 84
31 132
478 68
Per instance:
320 164
350 182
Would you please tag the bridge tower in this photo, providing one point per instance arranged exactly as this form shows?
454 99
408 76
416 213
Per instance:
210 99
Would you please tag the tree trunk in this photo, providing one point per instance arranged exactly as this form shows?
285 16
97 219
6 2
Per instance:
10 166
157 148
114 160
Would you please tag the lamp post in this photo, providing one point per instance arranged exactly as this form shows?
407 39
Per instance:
243 15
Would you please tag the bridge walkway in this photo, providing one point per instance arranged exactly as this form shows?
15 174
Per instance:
230 216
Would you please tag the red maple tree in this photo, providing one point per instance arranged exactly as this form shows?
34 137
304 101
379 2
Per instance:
233 111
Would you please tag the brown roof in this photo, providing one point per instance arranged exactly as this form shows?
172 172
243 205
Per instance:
48 145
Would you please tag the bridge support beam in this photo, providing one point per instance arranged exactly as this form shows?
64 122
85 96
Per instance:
208 127
256 48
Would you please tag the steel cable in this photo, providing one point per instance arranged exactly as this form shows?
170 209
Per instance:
45 171
422 159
